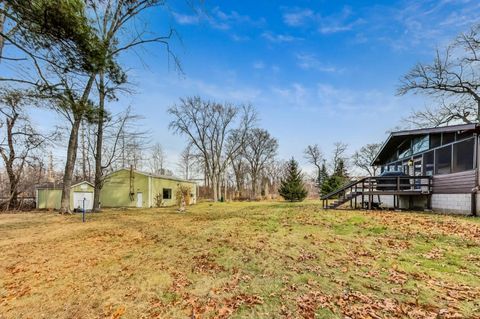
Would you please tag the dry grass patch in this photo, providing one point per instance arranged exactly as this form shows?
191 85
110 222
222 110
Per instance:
239 260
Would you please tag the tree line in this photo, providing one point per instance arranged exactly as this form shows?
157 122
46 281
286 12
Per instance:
65 57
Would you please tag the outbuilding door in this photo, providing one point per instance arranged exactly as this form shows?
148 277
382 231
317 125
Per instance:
139 200
79 197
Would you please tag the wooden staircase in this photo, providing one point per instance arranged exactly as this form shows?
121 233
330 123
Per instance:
340 201
361 193
347 193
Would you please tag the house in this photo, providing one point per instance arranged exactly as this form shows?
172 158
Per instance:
49 195
132 188
440 167
122 188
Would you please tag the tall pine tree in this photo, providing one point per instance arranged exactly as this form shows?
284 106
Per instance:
292 187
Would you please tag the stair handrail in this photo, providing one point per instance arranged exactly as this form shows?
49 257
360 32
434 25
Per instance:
343 188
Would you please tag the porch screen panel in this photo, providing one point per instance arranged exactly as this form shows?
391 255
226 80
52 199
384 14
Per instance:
443 160
463 156
428 163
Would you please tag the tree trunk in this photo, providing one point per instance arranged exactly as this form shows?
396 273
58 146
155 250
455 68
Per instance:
214 188
98 153
70 165
84 152
13 183
2 23
225 185
78 112
254 186
9 162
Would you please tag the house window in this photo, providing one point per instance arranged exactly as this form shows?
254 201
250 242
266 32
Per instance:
404 150
167 193
448 138
428 158
443 160
420 144
463 156
435 140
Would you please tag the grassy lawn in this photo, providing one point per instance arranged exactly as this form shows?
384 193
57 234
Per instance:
240 260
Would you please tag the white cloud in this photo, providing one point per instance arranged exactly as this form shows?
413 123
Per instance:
239 38
334 101
279 38
298 17
217 19
259 65
311 62
186 19
342 21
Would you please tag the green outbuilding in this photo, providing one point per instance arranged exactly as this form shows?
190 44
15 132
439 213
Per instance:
132 188
48 196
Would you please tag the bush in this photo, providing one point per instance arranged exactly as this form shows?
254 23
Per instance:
183 196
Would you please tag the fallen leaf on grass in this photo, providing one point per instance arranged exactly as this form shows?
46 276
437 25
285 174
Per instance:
119 312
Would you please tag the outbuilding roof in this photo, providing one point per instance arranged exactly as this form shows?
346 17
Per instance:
54 185
395 138
173 178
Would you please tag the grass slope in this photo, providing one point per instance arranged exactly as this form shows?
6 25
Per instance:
239 260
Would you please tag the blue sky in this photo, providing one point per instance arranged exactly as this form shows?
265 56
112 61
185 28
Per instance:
317 71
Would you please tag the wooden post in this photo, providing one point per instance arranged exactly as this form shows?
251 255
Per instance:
351 201
363 191
356 187
370 196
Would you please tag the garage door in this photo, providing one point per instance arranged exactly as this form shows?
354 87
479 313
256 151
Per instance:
78 198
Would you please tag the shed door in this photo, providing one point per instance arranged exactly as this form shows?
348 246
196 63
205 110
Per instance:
78 198
139 200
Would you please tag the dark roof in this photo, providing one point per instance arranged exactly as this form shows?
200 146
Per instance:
395 138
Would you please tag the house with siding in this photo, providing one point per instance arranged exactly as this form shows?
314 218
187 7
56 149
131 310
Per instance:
132 188
49 196
122 188
431 168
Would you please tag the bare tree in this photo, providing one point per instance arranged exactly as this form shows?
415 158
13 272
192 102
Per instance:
452 79
187 161
117 35
216 130
19 140
364 157
314 155
275 171
259 148
338 155
240 172
157 159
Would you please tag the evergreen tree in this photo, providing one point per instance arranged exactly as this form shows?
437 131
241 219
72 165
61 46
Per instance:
292 187
332 183
341 170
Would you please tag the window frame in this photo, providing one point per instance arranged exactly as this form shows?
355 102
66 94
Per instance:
169 191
